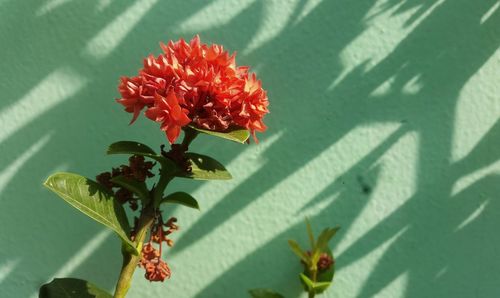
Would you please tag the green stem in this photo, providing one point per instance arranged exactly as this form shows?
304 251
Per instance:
160 188
130 261
189 135
314 276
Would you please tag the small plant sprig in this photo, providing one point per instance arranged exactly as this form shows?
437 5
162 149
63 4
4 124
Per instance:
318 263
192 88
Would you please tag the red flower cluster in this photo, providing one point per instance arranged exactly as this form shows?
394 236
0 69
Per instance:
198 84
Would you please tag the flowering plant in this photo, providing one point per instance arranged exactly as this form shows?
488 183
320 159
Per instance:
191 87
318 263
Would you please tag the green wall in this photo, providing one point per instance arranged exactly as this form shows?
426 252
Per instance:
384 120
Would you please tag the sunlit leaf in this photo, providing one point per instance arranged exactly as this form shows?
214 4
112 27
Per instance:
320 287
235 134
181 198
93 200
309 284
205 168
71 288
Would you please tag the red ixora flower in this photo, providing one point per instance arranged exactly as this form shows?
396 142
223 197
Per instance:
195 84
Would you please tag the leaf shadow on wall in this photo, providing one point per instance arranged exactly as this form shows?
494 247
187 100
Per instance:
437 238
48 54
460 46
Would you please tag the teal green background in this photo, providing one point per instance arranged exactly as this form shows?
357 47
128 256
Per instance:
384 120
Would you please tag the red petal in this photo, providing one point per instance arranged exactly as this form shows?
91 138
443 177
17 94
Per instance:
173 132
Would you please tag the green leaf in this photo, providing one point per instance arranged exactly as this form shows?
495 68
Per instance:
181 198
137 187
130 147
323 278
94 201
298 251
236 134
135 148
71 288
264 293
324 237
310 233
307 282
205 168
320 287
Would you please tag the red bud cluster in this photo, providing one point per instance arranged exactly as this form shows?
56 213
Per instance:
137 169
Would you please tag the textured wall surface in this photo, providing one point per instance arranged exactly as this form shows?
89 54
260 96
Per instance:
384 120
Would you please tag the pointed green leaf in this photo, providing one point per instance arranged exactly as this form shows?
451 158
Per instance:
205 168
181 198
136 148
236 134
310 233
264 293
320 287
294 246
71 288
307 281
94 201
324 237
137 187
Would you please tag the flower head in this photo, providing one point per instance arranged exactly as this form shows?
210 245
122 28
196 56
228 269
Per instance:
195 84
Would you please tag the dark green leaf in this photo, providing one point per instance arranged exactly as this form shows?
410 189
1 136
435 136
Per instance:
135 148
236 134
181 198
205 168
137 187
94 201
298 251
264 293
71 288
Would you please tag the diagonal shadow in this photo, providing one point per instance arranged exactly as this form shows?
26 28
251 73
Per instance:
442 53
64 136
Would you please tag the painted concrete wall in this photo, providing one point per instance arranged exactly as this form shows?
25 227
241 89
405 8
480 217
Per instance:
385 120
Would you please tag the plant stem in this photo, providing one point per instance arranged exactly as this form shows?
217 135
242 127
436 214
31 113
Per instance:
189 135
314 275
130 261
